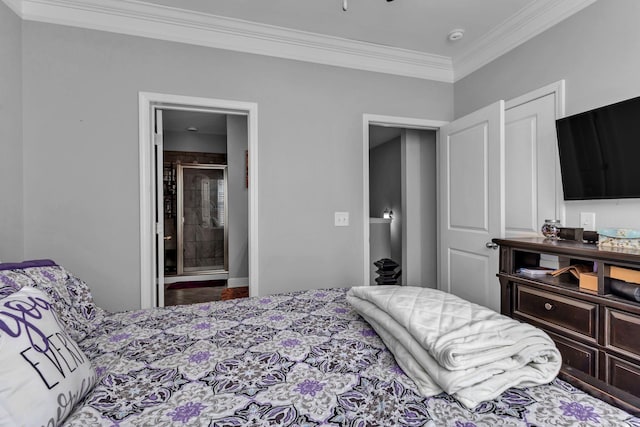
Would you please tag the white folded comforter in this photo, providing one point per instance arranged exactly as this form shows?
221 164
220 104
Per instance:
446 343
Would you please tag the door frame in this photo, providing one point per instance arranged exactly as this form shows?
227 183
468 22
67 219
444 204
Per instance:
147 103
390 121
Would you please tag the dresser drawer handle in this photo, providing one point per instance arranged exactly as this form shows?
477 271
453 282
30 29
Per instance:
548 306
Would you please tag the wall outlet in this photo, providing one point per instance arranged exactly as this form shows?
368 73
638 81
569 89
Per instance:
588 221
342 219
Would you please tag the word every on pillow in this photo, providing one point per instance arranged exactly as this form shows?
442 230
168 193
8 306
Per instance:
44 373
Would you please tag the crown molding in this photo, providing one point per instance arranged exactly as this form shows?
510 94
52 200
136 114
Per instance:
521 27
139 18
178 25
15 5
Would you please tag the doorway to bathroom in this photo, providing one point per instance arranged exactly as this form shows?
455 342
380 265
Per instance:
205 203
198 157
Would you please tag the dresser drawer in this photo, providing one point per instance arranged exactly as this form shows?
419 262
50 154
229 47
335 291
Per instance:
623 375
622 331
563 313
577 355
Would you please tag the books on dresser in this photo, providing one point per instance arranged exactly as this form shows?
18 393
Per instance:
576 270
535 271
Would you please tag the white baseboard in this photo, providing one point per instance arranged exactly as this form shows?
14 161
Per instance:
237 282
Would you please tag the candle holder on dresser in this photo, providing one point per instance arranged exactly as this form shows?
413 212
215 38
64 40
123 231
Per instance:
551 228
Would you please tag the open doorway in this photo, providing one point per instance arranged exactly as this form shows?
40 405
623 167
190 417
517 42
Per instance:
216 180
401 196
205 204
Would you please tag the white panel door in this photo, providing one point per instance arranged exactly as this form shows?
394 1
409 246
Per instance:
531 156
472 204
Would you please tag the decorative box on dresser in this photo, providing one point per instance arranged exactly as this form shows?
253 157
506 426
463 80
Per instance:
597 333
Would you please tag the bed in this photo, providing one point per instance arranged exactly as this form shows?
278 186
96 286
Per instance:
296 359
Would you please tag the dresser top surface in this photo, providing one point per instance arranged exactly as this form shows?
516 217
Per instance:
570 248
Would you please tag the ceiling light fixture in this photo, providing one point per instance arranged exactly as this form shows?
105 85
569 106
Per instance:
345 5
192 129
456 34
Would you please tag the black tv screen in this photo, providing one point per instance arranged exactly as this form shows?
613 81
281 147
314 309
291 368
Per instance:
600 152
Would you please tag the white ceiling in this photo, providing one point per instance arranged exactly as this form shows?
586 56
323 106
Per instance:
402 37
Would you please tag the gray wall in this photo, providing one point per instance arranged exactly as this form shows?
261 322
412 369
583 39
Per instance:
429 210
194 142
596 52
419 207
238 197
411 185
81 178
11 222
385 190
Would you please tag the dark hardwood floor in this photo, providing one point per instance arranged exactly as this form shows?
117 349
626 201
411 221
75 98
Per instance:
204 294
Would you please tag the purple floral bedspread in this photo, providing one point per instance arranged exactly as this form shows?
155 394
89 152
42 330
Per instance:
298 359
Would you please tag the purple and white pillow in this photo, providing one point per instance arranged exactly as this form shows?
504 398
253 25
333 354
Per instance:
71 297
44 372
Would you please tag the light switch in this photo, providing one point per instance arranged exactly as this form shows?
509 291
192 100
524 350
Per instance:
342 219
588 221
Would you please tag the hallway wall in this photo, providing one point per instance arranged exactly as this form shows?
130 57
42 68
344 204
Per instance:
237 144
385 190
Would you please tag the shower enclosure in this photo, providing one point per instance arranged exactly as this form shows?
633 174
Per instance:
201 245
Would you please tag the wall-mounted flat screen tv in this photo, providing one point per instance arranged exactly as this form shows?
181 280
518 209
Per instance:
600 152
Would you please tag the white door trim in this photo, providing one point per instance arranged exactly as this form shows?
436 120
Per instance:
557 89
381 120
146 102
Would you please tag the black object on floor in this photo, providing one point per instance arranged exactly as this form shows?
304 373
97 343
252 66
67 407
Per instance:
386 272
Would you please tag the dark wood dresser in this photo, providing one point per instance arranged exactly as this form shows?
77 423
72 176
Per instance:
597 333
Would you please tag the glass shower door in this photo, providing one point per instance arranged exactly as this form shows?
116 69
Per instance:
202 219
